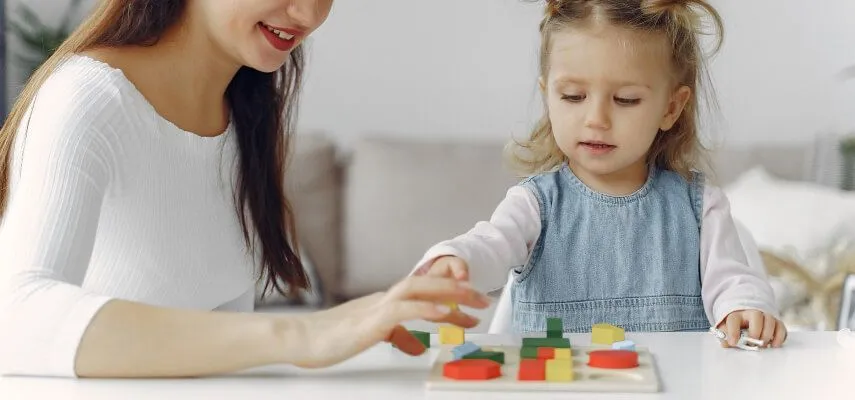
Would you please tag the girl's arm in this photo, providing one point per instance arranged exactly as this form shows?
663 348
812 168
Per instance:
729 282
492 247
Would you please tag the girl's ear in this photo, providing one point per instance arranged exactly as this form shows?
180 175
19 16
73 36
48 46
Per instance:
675 107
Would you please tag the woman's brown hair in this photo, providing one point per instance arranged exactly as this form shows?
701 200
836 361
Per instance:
679 149
263 107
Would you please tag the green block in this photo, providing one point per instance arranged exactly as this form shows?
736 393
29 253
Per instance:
554 328
496 356
423 337
528 352
558 343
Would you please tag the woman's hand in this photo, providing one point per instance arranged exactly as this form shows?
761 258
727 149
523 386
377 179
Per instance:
337 334
760 326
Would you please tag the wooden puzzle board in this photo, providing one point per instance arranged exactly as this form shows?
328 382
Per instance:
644 378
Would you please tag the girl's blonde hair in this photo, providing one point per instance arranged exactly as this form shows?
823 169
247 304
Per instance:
679 149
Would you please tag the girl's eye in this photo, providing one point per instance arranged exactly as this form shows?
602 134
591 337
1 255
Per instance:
627 102
573 98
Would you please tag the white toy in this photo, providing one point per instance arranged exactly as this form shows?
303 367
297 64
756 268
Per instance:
745 342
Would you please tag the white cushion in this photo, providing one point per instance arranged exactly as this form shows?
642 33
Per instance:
800 218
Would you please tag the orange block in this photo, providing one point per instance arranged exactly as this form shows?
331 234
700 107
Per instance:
613 359
532 370
545 353
472 369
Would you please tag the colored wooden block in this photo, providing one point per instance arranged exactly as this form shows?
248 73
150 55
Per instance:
472 369
563 354
554 328
466 348
559 370
545 353
497 356
532 370
624 345
558 343
450 334
528 352
452 306
613 359
606 334
422 336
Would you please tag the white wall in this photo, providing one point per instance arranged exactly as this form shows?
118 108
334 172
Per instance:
452 68
776 74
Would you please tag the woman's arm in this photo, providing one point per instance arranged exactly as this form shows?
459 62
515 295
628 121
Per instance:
63 165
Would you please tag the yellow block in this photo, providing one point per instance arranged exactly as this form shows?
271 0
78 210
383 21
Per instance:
559 370
450 334
563 354
606 334
452 306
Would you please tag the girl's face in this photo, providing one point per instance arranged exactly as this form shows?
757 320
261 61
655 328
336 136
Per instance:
608 93
259 33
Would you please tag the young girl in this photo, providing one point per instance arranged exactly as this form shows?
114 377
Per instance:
615 224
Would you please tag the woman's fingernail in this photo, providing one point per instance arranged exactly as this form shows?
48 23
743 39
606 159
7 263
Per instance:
464 284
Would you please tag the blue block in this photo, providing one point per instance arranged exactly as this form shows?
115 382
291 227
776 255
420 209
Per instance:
464 349
624 345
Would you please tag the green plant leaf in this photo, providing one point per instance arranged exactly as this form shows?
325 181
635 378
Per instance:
30 17
848 145
39 39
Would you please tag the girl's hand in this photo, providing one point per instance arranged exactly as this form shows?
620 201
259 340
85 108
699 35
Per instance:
760 326
449 267
337 334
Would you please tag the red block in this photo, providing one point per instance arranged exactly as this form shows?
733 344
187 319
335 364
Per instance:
545 353
613 359
532 370
474 369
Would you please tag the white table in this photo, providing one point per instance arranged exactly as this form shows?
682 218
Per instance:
692 366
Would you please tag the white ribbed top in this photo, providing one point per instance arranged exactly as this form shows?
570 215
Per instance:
110 200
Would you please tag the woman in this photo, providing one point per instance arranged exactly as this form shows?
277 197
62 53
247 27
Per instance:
142 171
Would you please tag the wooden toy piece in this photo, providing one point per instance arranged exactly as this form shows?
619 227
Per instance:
613 359
565 375
423 337
545 353
450 334
554 328
452 306
563 354
466 348
472 369
527 352
559 370
532 370
497 356
606 334
558 343
624 345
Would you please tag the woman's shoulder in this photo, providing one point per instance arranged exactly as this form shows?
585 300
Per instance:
81 86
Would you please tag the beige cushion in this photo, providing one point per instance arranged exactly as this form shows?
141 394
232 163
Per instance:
783 161
404 195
